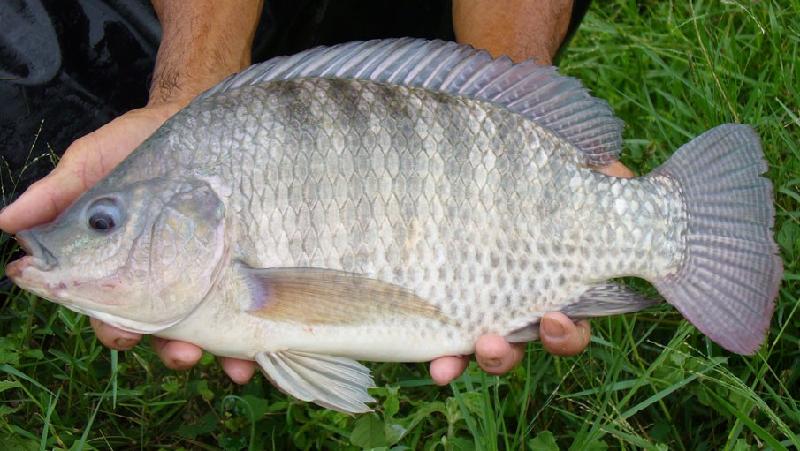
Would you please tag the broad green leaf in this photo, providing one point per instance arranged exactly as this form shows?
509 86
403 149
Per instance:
368 432
544 441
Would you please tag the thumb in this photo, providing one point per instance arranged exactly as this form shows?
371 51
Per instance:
42 201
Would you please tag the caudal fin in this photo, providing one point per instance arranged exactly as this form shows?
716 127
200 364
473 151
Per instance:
730 274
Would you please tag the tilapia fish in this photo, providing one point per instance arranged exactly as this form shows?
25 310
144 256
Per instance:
392 201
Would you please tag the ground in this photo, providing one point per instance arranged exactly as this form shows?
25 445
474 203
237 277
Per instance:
670 70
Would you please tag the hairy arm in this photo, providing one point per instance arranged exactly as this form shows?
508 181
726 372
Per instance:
519 29
203 41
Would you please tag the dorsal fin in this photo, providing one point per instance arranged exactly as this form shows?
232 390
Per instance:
557 103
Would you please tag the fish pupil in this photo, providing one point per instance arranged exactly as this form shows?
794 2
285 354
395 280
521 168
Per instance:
101 221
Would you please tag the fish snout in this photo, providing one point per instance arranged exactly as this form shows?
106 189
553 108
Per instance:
41 257
15 269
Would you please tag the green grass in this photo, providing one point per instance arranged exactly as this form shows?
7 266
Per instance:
671 70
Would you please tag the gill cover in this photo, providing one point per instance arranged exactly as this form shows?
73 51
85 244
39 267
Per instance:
186 249
141 257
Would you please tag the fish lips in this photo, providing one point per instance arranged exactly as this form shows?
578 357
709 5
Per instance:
39 258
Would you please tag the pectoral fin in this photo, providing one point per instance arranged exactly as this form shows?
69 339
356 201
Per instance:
325 296
332 382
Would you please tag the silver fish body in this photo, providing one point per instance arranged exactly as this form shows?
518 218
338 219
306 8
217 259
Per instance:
307 213
483 214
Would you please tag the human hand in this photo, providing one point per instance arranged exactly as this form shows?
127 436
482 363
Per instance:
176 355
558 334
190 33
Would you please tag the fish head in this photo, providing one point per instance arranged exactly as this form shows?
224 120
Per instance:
140 258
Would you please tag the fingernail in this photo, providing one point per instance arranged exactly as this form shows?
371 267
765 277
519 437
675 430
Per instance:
493 363
180 363
553 328
124 342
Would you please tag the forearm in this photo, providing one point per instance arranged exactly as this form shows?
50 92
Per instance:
203 41
519 29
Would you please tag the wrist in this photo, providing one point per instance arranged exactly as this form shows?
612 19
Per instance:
203 42
519 29
169 105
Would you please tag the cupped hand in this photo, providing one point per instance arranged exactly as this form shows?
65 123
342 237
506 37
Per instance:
176 355
84 163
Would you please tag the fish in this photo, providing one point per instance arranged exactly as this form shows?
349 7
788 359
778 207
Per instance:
393 200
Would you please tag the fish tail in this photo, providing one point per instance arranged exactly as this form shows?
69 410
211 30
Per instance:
730 273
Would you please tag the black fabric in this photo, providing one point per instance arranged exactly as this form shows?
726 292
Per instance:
68 67
291 26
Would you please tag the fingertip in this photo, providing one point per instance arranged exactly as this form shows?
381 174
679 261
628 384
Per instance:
177 355
240 371
491 346
617 169
561 337
446 369
555 326
17 215
113 337
495 355
40 203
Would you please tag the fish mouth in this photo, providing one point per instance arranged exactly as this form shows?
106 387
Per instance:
38 255
38 258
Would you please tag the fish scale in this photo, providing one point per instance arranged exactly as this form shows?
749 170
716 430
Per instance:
394 200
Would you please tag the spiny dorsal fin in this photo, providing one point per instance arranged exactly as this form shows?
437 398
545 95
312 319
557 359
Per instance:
560 104
325 296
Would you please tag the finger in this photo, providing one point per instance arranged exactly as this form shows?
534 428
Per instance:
112 337
445 369
240 371
497 356
617 169
177 355
41 202
560 336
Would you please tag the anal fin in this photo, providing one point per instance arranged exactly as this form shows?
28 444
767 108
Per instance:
529 332
336 383
607 299
601 300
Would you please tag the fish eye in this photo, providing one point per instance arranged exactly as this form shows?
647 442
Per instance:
101 221
104 215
